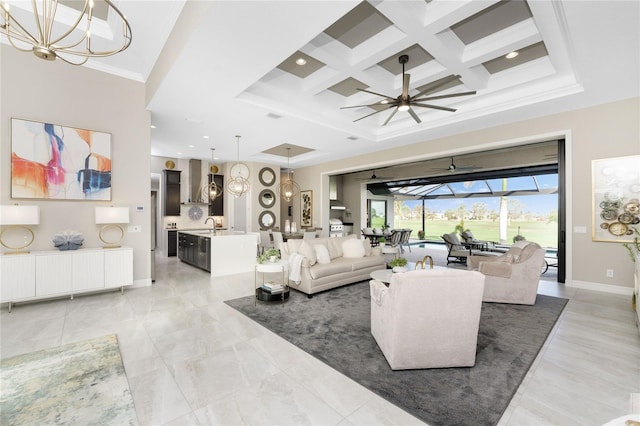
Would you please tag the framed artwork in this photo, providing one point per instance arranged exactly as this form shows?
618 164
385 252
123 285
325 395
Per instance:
616 198
50 161
306 208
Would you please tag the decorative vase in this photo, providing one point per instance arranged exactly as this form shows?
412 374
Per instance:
399 269
287 226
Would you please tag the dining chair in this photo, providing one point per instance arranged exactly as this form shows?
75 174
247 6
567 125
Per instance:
265 241
277 240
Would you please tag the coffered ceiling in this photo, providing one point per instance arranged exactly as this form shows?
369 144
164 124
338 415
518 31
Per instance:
229 68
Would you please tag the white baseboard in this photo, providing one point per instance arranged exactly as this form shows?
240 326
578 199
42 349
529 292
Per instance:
146 282
605 288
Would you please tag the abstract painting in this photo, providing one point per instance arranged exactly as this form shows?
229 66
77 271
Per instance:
306 208
49 161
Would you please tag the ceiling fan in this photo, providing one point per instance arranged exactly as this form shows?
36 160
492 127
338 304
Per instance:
404 102
376 178
453 168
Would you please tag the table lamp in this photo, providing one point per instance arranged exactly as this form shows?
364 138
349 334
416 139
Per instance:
111 217
15 218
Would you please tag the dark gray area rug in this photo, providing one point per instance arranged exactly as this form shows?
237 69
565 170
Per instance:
334 327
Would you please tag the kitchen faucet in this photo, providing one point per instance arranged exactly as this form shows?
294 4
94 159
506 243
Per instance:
213 223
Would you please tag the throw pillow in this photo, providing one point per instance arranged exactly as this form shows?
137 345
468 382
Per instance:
335 247
322 254
308 251
353 248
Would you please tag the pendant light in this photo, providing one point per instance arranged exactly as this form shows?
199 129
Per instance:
288 189
239 176
65 29
213 190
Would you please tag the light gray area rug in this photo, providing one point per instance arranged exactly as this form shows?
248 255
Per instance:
80 383
334 326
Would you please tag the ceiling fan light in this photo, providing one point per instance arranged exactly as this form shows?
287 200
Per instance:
403 107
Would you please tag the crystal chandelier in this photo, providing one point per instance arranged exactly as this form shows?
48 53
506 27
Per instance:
288 188
213 190
239 176
51 30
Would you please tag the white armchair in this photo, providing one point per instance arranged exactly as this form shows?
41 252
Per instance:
427 318
512 277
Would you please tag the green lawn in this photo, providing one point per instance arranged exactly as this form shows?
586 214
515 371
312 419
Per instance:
542 233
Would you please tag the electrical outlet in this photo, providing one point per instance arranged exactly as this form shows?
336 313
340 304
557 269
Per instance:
134 228
609 273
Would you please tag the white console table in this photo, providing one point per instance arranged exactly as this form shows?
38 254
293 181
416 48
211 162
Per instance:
46 274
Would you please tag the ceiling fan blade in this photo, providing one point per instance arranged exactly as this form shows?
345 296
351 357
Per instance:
375 112
361 106
432 88
414 115
405 85
453 95
377 94
434 107
390 116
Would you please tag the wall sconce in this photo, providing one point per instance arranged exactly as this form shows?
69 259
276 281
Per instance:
16 217
110 217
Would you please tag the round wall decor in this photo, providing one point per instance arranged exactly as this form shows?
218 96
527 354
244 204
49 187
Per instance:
195 213
267 176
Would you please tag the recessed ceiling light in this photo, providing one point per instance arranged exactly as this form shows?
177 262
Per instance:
153 127
205 137
511 55
178 153
192 146
301 61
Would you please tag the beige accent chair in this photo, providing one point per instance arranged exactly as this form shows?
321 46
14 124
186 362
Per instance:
512 277
427 318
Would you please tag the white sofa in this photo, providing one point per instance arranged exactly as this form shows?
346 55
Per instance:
343 260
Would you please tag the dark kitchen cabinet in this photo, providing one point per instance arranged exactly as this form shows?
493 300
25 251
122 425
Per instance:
195 250
171 185
216 206
172 243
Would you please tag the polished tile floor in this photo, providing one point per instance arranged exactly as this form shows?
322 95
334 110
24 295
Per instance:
192 360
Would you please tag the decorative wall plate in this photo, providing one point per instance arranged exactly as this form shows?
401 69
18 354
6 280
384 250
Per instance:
170 165
618 229
195 213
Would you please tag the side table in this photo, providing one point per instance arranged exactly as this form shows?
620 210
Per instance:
270 267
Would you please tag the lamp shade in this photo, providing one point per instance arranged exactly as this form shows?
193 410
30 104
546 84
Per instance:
112 215
19 215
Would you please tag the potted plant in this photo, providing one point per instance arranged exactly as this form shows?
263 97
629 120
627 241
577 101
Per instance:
382 241
272 255
399 264
421 234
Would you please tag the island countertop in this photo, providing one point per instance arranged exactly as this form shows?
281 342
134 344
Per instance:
230 252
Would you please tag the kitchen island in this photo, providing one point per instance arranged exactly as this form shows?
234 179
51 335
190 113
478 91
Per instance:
218 252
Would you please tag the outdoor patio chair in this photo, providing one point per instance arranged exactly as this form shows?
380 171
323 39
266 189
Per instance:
468 238
404 240
457 252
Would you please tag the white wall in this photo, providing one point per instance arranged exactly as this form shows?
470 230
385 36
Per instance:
59 93
605 131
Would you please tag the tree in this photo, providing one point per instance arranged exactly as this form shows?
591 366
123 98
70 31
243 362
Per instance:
479 210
